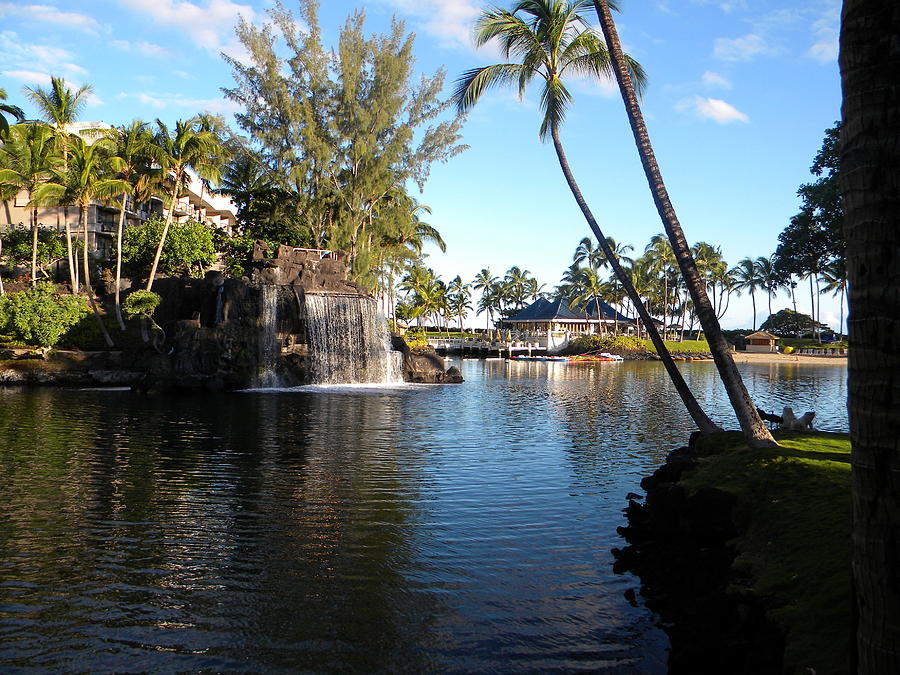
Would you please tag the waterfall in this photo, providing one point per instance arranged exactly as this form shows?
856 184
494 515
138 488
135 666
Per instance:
269 344
349 342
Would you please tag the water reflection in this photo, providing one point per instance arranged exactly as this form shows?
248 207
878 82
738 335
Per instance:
412 529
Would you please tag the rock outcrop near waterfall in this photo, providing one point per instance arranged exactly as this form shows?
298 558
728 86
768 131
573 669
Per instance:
296 320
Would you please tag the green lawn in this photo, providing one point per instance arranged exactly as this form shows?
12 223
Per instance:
808 343
686 347
795 503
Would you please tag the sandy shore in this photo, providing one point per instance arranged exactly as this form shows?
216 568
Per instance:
745 357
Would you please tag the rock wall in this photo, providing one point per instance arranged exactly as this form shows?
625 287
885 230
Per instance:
679 547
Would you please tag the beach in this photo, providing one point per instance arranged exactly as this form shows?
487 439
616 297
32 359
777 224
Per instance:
753 357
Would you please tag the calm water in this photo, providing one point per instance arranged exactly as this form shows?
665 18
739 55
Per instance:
457 528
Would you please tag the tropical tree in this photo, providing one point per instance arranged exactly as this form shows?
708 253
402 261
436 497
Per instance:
484 282
60 106
552 39
188 147
835 276
870 183
590 286
747 278
27 159
518 286
755 430
85 180
772 279
458 299
8 109
131 161
662 261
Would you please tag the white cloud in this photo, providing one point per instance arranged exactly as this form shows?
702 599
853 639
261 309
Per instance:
29 77
48 14
19 55
711 79
712 108
448 20
825 30
163 101
743 48
144 48
208 24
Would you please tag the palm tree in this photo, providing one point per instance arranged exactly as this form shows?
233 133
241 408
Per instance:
754 428
587 252
747 278
835 276
590 284
27 159
870 180
552 40
518 284
60 106
187 148
8 109
132 163
662 261
85 180
484 281
772 281
458 299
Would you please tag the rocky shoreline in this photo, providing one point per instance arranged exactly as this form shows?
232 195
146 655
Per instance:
680 546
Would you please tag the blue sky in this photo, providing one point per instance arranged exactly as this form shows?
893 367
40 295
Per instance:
738 98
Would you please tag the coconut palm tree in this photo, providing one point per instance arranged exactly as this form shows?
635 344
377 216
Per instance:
60 106
772 280
8 109
755 430
459 299
587 252
870 183
518 284
27 159
747 278
835 277
662 262
188 147
86 179
484 281
551 39
132 163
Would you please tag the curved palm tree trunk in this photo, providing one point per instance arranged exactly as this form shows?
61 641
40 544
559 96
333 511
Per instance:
119 262
34 245
700 418
71 258
87 281
753 300
870 186
162 238
754 428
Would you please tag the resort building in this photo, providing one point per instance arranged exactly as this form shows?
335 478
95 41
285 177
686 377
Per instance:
556 315
761 341
103 217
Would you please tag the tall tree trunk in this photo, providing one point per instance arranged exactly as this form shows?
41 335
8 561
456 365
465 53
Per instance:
119 261
753 300
162 238
2 290
700 418
870 186
34 244
841 325
755 430
87 280
71 258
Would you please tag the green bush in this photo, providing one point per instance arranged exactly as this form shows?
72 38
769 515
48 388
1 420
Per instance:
40 315
140 303
415 337
17 246
189 248
606 343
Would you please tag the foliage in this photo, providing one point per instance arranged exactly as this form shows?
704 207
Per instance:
188 249
336 135
17 246
40 315
416 338
789 322
140 303
617 344
795 501
236 251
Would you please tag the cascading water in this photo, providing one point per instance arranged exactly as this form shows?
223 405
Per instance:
349 342
269 345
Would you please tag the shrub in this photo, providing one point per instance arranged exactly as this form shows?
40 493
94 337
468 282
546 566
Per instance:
140 303
40 315
188 249
415 338
17 246
606 343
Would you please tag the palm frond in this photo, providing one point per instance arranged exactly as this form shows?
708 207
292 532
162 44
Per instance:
473 83
555 98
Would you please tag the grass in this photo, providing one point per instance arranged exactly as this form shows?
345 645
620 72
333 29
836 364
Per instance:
795 503
809 343
686 347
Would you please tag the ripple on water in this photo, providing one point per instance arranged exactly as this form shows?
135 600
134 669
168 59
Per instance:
350 529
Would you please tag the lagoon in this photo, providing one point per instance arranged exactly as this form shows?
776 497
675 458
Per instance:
449 528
